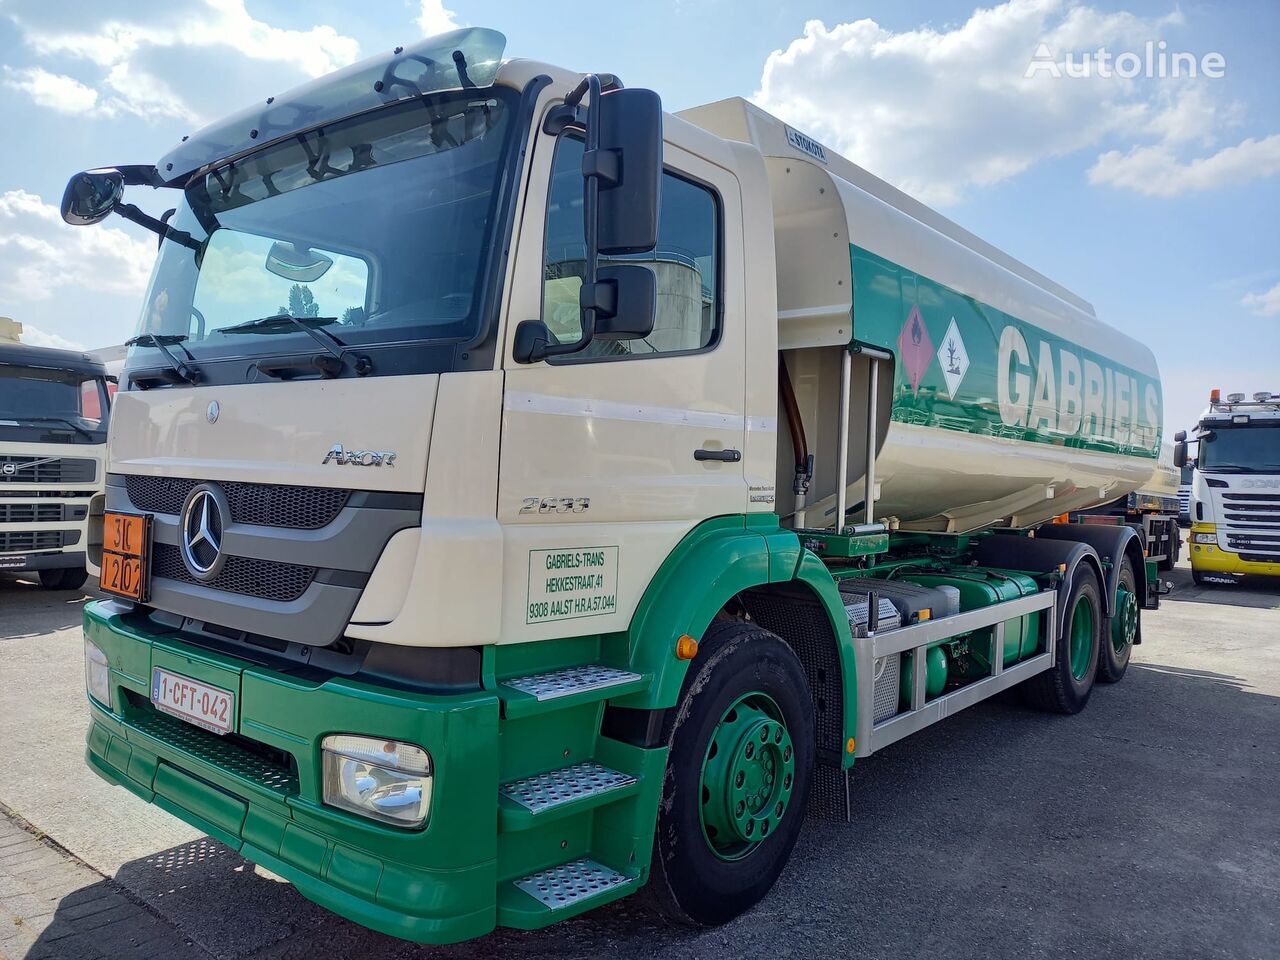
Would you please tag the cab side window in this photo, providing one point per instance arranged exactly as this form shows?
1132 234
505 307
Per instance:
685 264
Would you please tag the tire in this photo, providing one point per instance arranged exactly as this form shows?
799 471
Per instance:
744 683
1116 646
67 578
1060 689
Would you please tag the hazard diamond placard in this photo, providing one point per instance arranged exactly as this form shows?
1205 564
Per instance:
915 349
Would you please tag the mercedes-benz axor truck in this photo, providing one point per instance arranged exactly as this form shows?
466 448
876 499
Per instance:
520 496
1235 493
54 409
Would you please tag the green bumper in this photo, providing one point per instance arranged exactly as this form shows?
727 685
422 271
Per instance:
434 885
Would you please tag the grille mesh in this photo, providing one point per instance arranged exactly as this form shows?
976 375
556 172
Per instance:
57 470
221 752
259 504
264 579
18 541
30 512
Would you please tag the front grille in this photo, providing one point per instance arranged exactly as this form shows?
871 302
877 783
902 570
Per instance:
259 504
55 470
22 541
264 579
30 513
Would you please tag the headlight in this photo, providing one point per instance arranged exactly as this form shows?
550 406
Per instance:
1204 538
97 674
380 779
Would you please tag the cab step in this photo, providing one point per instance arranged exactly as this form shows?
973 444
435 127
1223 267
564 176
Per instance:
567 687
573 884
542 797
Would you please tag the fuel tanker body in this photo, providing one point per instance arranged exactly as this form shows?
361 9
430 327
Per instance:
1009 402
517 495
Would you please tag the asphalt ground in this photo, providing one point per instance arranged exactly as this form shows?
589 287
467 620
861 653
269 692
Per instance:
1147 826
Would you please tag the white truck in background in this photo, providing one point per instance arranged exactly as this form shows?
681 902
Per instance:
54 409
1235 496
519 495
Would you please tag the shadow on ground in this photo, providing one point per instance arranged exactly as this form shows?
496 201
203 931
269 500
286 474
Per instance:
28 610
1261 593
1148 826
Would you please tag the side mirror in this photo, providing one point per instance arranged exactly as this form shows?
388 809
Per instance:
1180 451
626 301
91 196
1180 436
628 164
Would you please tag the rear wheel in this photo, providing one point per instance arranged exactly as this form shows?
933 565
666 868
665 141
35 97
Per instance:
1117 645
738 775
68 578
1065 686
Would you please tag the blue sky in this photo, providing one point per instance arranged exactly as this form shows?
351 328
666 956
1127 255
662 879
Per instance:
1156 199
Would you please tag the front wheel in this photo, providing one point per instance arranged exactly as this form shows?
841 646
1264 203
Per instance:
1117 646
67 578
1065 686
738 774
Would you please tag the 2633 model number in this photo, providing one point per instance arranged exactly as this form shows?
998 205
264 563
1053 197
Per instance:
555 504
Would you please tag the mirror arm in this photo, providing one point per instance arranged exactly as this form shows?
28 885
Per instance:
158 227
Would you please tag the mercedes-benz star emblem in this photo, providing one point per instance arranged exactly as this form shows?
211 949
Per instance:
212 413
203 522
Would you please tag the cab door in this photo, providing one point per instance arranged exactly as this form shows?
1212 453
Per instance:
611 455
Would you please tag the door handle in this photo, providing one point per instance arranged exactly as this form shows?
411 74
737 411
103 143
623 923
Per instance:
727 456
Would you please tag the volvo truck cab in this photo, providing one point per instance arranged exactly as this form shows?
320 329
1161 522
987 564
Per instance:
54 409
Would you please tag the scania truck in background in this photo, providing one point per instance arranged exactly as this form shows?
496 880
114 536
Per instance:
54 408
1235 496
520 496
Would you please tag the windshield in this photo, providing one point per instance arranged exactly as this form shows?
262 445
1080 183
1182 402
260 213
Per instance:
379 226
1246 449
39 405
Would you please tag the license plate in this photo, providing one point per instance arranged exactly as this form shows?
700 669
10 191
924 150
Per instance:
13 563
209 707
126 552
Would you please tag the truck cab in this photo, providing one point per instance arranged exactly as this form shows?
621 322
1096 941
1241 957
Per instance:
54 412
1235 498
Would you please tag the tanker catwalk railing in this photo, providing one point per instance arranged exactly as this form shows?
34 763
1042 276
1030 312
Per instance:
917 639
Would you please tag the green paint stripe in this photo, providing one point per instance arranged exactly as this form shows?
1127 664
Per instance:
994 373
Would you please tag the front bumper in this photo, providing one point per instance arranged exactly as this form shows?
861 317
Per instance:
1206 558
69 559
433 885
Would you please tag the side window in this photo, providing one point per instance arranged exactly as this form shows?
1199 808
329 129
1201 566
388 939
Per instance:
684 262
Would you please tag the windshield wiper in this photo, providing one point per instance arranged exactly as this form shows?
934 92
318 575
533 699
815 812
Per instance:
188 372
312 327
69 422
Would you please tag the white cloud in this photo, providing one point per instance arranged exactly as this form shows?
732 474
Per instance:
435 18
40 254
1157 171
113 44
52 90
41 338
942 112
1265 304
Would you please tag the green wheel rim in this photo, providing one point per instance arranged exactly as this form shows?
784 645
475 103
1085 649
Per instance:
1081 637
1124 628
748 775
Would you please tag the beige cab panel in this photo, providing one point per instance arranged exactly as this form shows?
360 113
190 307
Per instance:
598 479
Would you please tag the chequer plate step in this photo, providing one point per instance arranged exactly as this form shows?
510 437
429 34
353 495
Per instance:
565 683
545 791
569 883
